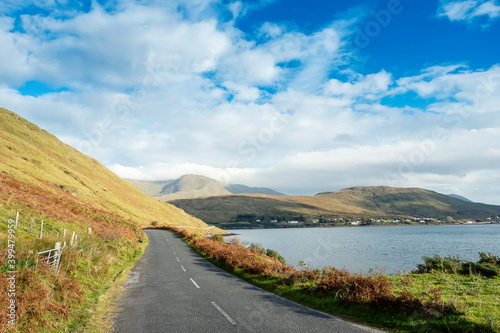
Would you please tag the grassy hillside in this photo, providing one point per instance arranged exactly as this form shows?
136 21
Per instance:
42 178
34 156
194 186
357 201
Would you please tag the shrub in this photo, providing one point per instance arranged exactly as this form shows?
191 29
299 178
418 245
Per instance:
236 241
348 288
486 269
257 247
488 258
218 238
438 263
487 265
275 254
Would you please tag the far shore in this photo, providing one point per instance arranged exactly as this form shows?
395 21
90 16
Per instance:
286 226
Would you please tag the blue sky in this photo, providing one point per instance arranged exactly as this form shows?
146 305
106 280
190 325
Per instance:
300 96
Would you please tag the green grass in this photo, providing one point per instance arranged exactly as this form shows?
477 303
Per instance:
476 297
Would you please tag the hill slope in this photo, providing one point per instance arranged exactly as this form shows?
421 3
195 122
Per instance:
356 201
456 196
194 186
33 156
45 180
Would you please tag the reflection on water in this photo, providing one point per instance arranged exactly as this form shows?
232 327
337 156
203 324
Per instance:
361 248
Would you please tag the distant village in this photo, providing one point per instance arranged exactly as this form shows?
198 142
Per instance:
357 221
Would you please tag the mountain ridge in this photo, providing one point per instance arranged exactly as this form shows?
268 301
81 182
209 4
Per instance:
457 196
192 186
361 201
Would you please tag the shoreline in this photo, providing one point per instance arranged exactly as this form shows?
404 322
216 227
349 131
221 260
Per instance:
309 226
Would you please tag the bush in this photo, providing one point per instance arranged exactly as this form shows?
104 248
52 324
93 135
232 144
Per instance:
257 247
487 269
357 288
218 238
487 265
275 254
488 259
438 263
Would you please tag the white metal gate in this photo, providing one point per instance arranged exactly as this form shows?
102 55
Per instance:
51 257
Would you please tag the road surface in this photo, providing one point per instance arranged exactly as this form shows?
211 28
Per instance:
173 289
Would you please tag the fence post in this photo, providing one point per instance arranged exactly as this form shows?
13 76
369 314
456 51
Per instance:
17 219
41 230
72 239
31 226
59 253
64 233
89 230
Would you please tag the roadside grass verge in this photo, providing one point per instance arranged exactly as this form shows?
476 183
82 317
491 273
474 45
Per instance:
437 301
64 301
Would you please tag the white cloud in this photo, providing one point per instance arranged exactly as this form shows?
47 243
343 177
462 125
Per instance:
271 30
15 59
369 86
167 171
243 92
468 10
156 93
453 81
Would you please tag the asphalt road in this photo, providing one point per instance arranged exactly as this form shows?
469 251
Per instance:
173 289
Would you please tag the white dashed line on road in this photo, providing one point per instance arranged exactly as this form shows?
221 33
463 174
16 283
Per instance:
194 282
183 268
231 320
177 258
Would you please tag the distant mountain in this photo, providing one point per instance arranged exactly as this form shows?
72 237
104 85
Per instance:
194 186
374 201
456 196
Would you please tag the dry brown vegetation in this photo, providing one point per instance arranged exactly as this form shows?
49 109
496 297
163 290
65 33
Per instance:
39 201
43 299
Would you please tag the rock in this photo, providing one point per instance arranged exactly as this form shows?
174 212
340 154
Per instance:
433 313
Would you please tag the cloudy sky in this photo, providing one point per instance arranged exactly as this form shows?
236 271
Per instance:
300 96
